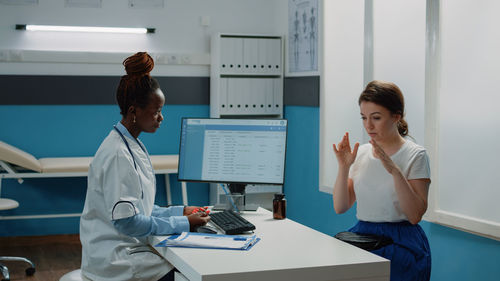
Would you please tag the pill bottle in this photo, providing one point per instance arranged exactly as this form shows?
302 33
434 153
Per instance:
279 206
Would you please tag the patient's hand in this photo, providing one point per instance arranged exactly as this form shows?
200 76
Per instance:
345 155
386 159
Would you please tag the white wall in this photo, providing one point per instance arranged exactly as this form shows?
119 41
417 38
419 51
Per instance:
450 95
178 31
396 53
399 55
466 189
341 83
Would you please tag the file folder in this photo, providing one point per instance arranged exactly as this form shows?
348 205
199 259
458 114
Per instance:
210 241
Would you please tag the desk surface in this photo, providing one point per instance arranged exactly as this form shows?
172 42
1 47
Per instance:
287 251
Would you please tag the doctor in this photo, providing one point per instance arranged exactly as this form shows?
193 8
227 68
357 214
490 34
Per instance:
119 212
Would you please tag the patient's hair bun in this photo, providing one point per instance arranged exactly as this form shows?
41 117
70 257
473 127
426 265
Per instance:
139 64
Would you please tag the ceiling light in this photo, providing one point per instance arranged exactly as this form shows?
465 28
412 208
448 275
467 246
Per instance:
31 27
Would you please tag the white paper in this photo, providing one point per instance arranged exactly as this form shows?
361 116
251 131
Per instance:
205 240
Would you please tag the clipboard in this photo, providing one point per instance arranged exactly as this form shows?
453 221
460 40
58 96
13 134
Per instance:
210 241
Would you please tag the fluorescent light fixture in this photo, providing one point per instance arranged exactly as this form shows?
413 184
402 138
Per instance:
32 27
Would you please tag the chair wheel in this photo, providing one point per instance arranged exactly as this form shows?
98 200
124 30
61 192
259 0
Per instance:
30 271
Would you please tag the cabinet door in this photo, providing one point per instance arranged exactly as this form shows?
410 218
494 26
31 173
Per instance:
250 55
278 96
223 102
275 56
231 55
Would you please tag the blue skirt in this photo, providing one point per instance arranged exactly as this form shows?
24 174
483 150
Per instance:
410 254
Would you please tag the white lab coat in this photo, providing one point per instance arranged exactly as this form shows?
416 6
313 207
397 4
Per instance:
117 190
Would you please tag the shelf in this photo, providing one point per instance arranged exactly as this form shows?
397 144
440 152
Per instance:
246 75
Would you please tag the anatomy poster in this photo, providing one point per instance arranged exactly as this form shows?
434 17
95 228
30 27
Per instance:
302 35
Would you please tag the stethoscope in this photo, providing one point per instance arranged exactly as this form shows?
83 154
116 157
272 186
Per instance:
133 158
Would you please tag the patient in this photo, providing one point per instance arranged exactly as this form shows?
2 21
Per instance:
119 212
389 178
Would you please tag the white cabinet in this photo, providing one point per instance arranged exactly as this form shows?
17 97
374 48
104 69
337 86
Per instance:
246 81
246 76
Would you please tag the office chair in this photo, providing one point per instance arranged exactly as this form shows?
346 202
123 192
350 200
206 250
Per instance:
6 204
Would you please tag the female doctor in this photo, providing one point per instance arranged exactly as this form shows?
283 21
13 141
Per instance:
119 212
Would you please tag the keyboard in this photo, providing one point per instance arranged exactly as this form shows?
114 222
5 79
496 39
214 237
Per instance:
231 222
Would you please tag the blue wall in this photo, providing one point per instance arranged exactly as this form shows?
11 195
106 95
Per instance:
59 131
49 131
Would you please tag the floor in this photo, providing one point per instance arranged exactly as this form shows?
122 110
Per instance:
53 256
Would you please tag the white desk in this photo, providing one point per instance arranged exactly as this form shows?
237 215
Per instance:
287 251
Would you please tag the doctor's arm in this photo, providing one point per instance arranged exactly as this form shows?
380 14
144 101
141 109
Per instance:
176 210
140 225
167 211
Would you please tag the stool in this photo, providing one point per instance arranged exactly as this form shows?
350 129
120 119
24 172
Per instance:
75 275
6 204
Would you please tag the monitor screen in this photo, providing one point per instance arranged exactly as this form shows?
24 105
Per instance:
246 151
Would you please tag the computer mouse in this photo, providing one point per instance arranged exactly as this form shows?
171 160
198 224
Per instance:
206 229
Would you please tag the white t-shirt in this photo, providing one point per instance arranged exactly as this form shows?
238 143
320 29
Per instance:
376 196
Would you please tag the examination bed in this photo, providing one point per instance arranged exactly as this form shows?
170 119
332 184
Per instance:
18 164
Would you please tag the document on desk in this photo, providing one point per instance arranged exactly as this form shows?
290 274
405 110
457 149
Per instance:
210 241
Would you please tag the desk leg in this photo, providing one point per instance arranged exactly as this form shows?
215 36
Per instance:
184 194
167 189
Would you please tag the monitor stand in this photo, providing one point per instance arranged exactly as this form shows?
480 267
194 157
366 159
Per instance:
237 188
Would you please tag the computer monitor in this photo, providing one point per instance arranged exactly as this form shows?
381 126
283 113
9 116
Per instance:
236 152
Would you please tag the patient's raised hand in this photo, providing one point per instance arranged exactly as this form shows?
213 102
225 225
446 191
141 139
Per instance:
345 156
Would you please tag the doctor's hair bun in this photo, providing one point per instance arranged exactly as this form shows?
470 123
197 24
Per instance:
136 88
139 64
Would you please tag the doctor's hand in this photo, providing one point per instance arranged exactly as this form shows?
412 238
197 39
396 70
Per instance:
386 159
197 219
345 156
